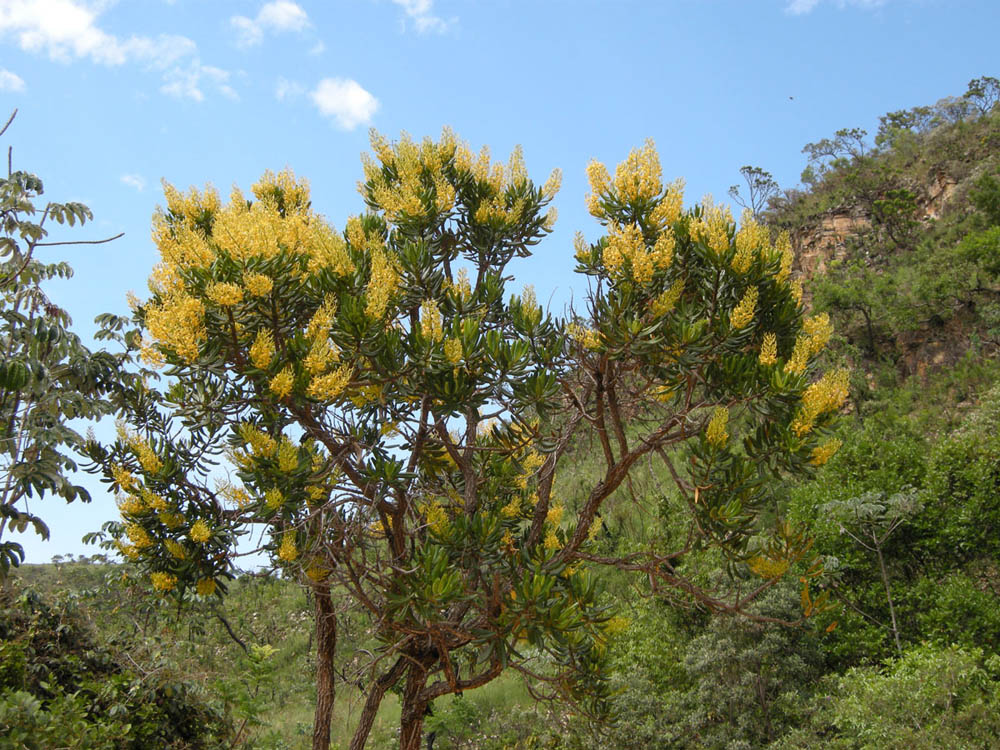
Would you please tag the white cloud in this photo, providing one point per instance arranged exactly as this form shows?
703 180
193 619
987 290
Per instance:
801 7
345 101
137 182
420 12
67 30
279 15
10 81
286 89
317 49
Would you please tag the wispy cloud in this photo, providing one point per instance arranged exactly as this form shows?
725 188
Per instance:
286 89
67 30
344 101
134 181
276 16
10 81
801 7
421 14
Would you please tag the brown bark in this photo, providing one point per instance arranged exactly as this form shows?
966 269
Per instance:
411 720
326 647
374 700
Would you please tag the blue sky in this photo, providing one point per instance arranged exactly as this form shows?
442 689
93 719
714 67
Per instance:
115 96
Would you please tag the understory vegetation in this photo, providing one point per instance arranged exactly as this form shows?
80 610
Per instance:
879 624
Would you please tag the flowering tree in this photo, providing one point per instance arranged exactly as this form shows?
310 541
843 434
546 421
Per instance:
395 421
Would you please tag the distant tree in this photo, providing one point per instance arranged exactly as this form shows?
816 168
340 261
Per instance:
983 93
869 520
761 187
395 421
47 377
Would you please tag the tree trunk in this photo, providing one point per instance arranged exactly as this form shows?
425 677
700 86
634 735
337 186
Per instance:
888 595
326 647
375 695
411 720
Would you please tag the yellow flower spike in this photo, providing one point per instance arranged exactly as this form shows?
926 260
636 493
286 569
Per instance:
667 300
281 384
768 350
320 357
512 509
171 519
624 243
453 351
200 532
288 456
331 386
437 518
767 568
138 536
600 182
826 395
381 285
178 323
670 207
823 453
783 246
175 548
287 551
552 541
555 515
638 178
273 498
258 284
588 338
581 248
797 363
262 350
663 250
552 185
430 321
742 315
206 587
750 239
163 581
819 329
716 433
796 287
224 294
123 477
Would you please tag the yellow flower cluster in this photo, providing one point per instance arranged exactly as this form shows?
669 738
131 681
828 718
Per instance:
163 581
453 351
555 515
588 338
430 321
826 395
273 498
175 548
819 329
321 356
205 587
581 247
130 505
288 456
616 625
123 477
670 207
178 323
330 386
262 444
639 177
783 246
200 532
282 383
751 239
742 315
663 249
712 227
595 528
716 433
258 284
600 183
262 350
551 541
768 350
823 453
287 550
767 568
138 536
437 518
667 300
624 243
224 294
512 509
530 465
381 285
